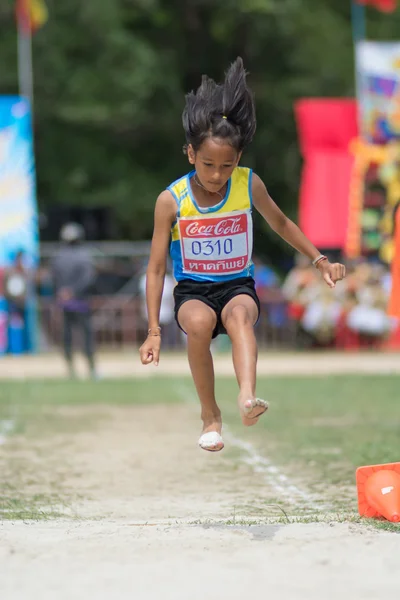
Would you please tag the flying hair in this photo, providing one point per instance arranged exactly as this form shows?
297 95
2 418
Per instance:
224 111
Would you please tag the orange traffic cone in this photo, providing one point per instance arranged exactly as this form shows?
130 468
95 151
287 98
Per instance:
378 488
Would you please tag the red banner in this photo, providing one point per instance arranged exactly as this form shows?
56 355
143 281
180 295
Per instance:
326 126
382 5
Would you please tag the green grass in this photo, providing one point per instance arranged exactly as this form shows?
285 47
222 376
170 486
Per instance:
326 427
37 507
385 525
36 394
32 401
318 430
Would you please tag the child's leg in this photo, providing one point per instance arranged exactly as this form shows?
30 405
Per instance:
198 321
67 340
238 318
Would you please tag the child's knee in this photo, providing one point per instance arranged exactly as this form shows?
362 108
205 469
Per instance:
200 325
239 315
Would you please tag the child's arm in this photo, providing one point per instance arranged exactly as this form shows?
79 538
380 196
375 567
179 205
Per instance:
289 231
164 216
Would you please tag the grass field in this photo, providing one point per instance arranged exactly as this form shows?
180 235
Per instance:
318 430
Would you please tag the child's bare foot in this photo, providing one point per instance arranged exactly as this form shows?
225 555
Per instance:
251 409
210 438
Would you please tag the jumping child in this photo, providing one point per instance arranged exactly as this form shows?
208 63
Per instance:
205 219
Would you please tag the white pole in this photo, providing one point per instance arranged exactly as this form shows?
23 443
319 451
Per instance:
359 27
25 65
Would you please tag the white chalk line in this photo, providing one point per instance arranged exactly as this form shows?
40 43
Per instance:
273 476
7 426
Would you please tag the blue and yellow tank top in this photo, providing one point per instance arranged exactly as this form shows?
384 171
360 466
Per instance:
216 243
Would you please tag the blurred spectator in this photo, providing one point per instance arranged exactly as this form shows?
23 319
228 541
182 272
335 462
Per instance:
265 278
321 315
169 330
368 316
73 276
16 284
352 314
18 288
268 287
299 279
44 282
297 289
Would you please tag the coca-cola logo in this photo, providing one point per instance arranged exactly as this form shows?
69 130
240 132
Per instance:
229 226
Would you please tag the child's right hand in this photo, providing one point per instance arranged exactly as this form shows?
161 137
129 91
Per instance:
150 350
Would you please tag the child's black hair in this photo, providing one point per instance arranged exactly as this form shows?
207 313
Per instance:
225 111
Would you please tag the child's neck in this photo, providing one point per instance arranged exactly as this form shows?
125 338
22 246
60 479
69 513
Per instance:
203 197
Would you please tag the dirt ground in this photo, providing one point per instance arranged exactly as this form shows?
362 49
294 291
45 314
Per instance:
113 559
148 513
126 364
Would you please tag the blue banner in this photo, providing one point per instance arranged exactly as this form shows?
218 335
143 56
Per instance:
19 240
378 67
18 213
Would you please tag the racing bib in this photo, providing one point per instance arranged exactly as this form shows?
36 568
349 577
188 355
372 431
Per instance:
219 245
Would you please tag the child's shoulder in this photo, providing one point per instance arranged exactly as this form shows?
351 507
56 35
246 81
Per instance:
179 188
166 200
165 208
243 172
242 175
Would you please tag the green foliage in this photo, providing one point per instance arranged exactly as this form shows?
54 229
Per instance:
110 79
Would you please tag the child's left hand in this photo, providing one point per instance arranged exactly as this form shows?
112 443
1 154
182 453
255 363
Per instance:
331 272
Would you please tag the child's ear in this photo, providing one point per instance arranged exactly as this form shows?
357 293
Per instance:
238 158
191 154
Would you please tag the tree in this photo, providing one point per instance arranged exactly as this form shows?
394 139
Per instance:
110 79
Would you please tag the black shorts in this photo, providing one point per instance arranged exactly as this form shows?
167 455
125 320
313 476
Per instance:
215 294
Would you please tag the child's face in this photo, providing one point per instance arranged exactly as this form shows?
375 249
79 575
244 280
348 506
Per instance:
214 163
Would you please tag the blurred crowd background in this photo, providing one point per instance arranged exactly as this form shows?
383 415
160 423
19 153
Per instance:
299 311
